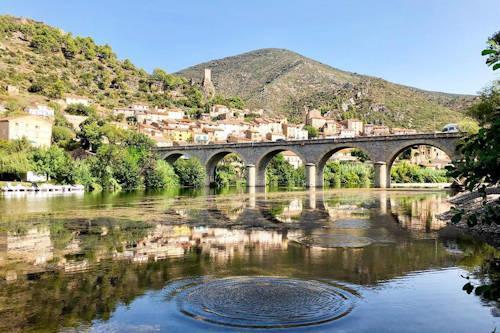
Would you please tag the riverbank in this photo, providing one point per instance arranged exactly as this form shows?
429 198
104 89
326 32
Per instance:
477 214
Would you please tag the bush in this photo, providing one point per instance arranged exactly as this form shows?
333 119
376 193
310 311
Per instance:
80 110
406 172
191 172
159 174
337 173
62 136
280 172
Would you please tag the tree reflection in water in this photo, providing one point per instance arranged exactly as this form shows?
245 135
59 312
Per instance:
67 271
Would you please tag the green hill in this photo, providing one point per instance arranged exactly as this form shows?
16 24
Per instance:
47 62
285 82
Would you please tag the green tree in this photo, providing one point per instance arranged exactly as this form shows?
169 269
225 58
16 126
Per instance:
485 110
62 136
190 171
493 51
158 174
55 163
280 172
360 154
311 131
80 110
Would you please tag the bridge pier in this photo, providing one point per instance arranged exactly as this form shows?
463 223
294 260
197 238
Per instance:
251 176
310 175
381 179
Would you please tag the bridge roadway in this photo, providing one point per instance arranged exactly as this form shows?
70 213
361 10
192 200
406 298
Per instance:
382 151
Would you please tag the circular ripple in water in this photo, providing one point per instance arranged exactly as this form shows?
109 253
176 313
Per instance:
335 240
264 302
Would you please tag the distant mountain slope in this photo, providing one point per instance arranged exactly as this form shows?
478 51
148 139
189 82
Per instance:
284 82
44 61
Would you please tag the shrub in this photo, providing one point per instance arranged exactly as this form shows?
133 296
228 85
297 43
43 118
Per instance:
159 174
190 171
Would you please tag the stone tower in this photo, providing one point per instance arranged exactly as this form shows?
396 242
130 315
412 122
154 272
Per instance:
207 85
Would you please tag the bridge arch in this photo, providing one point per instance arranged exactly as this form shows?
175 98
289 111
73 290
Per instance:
326 155
449 150
173 156
215 158
267 156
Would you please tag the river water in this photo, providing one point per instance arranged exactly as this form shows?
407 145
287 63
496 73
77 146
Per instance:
349 260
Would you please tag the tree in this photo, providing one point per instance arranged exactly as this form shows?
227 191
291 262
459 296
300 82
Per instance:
493 51
311 131
90 134
360 154
480 165
280 172
62 136
190 171
158 174
80 110
14 159
486 109
55 163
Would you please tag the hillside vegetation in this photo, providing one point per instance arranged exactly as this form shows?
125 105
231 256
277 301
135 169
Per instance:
48 62
284 82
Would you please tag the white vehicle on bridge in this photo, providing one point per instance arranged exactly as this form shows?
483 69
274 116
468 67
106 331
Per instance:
450 128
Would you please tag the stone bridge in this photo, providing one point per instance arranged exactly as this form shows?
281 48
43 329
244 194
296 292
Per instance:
382 151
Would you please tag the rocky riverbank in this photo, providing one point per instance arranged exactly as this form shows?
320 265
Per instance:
477 213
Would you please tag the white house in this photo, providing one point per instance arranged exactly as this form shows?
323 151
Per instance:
40 110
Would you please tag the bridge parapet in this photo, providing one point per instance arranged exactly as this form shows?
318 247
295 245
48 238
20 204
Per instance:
382 150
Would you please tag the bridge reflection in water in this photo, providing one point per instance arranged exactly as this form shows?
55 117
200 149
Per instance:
221 227
80 265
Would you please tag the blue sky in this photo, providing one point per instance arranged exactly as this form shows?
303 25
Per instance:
428 44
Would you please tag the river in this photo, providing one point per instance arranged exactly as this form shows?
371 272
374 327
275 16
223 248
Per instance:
350 260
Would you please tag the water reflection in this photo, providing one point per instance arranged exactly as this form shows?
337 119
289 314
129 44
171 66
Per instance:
73 261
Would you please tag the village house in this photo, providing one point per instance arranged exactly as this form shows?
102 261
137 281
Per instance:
347 133
355 125
177 134
315 119
236 138
126 112
40 110
331 128
175 114
275 136
151 116
140 107
200 137
430 157
292 158
73 99
253 135
375 130
37 130
218 110
233 126
294 132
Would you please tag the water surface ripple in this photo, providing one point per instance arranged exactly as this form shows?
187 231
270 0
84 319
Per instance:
265 302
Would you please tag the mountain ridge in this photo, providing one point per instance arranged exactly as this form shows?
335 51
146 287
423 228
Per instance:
284 82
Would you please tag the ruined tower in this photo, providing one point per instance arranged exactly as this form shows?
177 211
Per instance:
207 85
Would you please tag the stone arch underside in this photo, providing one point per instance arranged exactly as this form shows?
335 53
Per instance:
448 147
214 159
267 156
329 152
